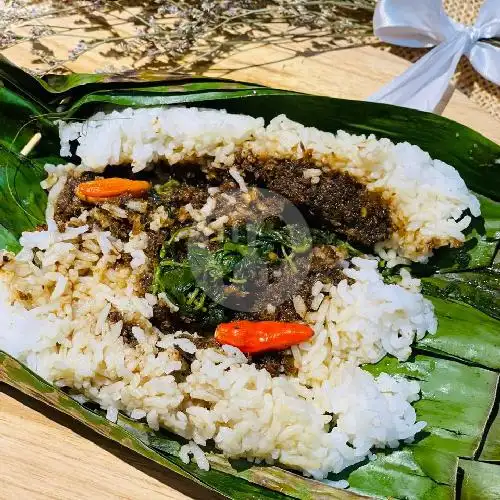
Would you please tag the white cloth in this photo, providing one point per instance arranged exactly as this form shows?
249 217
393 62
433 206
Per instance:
424 23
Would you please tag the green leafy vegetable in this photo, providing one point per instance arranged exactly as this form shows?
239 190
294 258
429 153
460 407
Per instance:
179 284
199 280
167 189
326 237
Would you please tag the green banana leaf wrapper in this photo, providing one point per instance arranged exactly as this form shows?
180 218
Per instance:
458 453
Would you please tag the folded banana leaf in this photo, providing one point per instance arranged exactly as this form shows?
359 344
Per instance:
464 333
479 477
458 367
491 449
479 248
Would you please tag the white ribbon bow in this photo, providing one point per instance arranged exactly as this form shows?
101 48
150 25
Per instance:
424 23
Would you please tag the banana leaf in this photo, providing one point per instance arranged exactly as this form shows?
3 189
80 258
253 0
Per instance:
20 377
428 466
8 241
23 201
57 89
491 448
491 214
481 481
464 333
473 155
479 248
21 119
479 289
457 367
228 480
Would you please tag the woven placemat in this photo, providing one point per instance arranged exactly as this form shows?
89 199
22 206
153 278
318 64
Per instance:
466 79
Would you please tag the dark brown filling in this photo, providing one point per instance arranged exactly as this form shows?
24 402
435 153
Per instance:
276 363
68 205
338 200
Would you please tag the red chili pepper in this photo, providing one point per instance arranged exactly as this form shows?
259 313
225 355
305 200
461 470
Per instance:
103 189
260 336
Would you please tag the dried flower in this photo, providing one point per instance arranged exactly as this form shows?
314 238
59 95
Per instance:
183 35
77 50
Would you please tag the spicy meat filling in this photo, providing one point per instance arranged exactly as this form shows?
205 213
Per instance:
338 200
252 266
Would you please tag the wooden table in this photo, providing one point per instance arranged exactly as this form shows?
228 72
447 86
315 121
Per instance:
46 455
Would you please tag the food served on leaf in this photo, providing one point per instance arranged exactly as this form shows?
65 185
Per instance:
371 191
222 279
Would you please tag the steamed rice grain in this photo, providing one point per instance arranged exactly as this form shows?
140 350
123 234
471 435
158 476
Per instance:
67 299
246 412
425 215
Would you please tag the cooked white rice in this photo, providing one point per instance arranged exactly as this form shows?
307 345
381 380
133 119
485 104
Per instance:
55 316
427 197
362 322
67 338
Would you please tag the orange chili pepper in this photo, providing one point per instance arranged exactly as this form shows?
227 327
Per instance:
103 189
260 336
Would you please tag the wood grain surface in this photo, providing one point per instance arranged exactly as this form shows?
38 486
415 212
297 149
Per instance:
46 455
